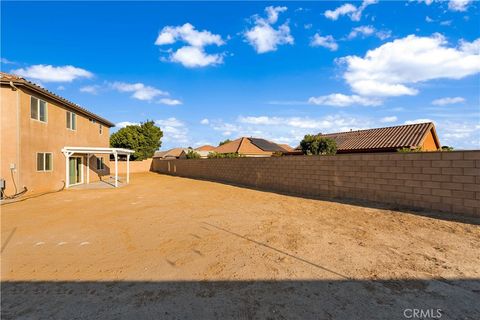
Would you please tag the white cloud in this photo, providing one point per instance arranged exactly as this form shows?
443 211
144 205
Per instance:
272 13
340 11
205 121
60 88
192 55
140 91
354 13
290 129
49 73
389 119
418 121
448 100
171 122
6 61
460 135
342 100
327 42
170 102
265 38
470 47
390 69
90 89
366 31
458 5
361 30
195 57
428 19
188 34
126 123
175 131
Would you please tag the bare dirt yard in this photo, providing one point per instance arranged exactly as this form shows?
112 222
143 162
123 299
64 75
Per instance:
170 247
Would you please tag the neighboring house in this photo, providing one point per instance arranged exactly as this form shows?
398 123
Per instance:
48 142
170 154
413 136
250 147
202 153
205 148
286 147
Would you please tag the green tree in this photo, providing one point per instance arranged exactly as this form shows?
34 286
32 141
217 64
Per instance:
192 154
316 144
446 148
223 142
144 138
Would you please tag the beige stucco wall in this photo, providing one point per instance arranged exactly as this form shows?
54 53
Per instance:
20 143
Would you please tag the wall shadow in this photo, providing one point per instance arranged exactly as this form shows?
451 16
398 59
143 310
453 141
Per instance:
467 219
303 299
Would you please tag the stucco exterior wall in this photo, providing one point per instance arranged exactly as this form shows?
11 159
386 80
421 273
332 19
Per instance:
21 143
429 143
440 181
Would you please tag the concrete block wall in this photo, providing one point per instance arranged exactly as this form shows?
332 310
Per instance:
437 181
135 166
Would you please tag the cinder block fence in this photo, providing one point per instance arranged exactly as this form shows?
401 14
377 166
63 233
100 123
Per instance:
438 181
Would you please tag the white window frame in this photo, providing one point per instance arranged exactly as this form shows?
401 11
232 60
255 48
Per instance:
71 115
38 110
44 162
102 164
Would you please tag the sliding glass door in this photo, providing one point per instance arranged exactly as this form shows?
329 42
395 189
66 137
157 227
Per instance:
75 168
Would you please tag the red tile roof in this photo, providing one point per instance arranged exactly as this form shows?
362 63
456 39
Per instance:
205 148
383 139
246 145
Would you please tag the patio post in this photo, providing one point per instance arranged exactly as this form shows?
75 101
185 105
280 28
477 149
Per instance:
116 168
128 168
88 167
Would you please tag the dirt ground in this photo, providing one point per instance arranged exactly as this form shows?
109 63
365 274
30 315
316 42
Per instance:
170 247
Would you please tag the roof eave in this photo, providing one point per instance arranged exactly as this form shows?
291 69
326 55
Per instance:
59 99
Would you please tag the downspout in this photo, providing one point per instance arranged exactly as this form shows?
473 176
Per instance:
17 165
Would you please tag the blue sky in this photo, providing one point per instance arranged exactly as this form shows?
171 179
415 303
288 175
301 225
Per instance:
278 70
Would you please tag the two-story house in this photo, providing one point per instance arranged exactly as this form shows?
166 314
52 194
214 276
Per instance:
48 142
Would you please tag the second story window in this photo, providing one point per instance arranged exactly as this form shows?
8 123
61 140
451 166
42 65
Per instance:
38 109
71 120
100 128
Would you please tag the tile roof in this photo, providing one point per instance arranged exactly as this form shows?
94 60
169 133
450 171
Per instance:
286 147
172 153
6 78
246 145
379 139
205 148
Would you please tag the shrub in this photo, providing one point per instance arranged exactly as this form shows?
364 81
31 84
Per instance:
446 148
405 150
215 155
192 154
223 142
316 144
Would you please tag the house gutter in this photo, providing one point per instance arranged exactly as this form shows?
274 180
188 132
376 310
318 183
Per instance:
17 164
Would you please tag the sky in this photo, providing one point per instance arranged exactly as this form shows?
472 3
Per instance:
210 71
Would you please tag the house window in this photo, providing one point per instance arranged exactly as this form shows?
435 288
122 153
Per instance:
71 120
44 161
38 109
100 128
100 164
